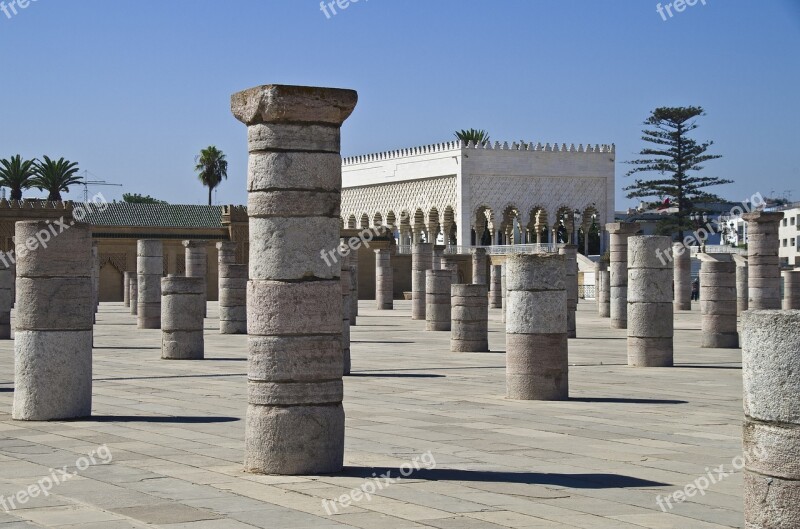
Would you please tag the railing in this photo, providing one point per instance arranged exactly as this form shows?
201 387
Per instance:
587 292
405 249
717 249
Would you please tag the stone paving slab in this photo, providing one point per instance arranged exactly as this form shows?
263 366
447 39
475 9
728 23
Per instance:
599 460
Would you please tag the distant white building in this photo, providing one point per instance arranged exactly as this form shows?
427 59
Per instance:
494 194
789 234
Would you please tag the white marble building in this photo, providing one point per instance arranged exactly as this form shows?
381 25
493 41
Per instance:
494 194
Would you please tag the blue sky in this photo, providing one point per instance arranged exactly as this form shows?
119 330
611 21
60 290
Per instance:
132 90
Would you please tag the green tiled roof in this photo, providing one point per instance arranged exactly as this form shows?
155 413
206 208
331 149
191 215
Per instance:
153 215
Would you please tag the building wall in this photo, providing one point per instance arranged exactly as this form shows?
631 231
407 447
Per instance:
789 235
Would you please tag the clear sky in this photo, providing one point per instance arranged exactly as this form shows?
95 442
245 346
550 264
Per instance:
133 89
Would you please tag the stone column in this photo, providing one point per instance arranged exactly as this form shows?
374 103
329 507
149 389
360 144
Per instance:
150 269
226 252
771 434
197 264
650 318
295 418
469 331
718 304
183 301
232 298
449 262
571 253
741 284
536 330
438 255
53 338
791 289
134 295
95 277
421 261
437 300
6 301
763 244
603 287
503 291
479 266
384 283
618 272
496 292
347 291
126 288
353 287
682 276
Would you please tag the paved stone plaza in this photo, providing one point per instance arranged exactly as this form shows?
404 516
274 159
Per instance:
175 431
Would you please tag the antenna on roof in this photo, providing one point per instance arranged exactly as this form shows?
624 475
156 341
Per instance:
86 183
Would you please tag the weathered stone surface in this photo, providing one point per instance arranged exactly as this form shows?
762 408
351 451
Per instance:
479 266
495 292
619 232
150 269
470 318
182 308
300 358
6 301
718 304
437 296
53 339
421 260
52 375
347 289
295 427
384 280
62 249
536 328
770 502
682 267
791 290
650 306
126 288
762 258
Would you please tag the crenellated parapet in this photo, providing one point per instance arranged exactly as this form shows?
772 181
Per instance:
64 206
497 146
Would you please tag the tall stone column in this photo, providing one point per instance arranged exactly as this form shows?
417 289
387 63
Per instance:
718 304
791 289
437 300
384 282
682 280
126 288
741 284
134 295
150 269
479 266
619 233
347 291
421 261
503 291
771 435
53 338
226 252
295 419
183 301
571 253
603 287
232 298
197 263
496 292
650 318
764 275
536 327
469 330
6 301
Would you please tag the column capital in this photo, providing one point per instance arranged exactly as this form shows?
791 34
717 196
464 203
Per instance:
276 103
763 216
622 228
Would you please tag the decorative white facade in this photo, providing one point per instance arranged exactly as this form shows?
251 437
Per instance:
789 234
497 193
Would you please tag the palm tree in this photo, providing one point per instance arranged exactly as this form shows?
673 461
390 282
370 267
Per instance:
55 176
212 168
478 137
16 174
